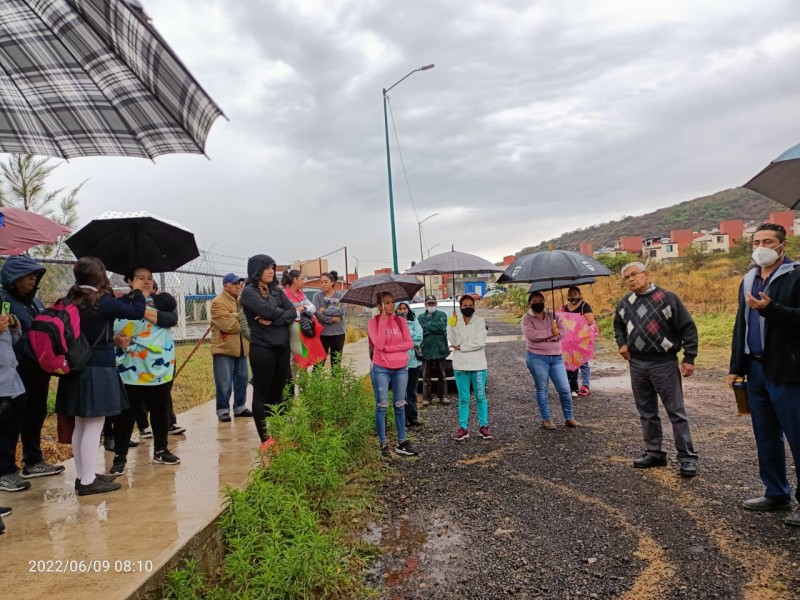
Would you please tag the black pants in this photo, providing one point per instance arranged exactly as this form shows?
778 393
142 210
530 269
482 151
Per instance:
572 377
333 345
271 371
431 368
10 419
155 399
37 386
411 394
143 422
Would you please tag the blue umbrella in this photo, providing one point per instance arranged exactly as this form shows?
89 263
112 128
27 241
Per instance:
780 179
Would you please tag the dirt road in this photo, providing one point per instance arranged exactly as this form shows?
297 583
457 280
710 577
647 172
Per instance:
562 514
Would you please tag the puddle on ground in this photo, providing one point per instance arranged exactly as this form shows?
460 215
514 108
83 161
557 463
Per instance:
611 383
431 540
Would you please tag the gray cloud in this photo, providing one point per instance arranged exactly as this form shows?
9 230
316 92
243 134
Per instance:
537 119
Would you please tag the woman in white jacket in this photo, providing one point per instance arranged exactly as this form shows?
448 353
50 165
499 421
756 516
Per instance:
467 338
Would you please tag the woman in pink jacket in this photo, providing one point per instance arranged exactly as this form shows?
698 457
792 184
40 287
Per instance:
389 343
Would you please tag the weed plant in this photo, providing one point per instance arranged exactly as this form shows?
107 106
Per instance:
284 534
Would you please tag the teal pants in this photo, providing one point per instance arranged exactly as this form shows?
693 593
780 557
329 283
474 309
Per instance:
477 381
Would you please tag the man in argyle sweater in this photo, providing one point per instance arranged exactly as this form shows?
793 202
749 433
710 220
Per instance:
650 326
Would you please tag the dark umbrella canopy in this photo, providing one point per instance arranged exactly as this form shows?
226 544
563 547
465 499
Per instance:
125 241
780 179
364 291
21 230
94 77
453 262
553 264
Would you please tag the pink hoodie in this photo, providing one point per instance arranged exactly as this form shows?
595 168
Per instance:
539 338
391 340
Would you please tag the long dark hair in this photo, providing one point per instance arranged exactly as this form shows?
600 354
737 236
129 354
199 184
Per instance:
288 277
89 271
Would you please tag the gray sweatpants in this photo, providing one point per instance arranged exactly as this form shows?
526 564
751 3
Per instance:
651 379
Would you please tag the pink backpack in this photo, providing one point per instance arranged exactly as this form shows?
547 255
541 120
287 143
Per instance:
56 341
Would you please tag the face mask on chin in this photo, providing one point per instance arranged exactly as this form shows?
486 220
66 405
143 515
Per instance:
765 257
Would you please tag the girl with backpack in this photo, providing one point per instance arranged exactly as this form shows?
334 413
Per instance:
95 392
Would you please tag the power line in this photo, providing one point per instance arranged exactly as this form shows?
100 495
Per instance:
402 162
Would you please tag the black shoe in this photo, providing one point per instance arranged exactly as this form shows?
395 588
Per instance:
245 413
793 519
405 449
688 468
98 486
2 526
97 476
5 511
108 444
648 461
385 452
226 418
764 504
133 443
165 457
118 466
414 423
176 430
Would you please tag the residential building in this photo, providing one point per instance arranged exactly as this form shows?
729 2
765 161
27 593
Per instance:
713 243
660 250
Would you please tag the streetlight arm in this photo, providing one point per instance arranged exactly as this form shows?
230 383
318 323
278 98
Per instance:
425 68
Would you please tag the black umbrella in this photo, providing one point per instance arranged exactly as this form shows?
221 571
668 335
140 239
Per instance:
553 265
450 263
559 284
780 179
125 241
364 291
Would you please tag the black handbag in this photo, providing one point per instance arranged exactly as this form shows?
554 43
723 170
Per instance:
307 325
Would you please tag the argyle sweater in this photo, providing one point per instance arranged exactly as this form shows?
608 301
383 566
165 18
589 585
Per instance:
655 326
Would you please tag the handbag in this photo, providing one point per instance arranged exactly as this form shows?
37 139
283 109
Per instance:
307 324
418 353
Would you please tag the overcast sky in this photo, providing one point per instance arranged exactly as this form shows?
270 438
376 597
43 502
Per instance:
538 118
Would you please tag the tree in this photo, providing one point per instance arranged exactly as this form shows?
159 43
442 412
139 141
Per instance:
24 185
615 262
695 257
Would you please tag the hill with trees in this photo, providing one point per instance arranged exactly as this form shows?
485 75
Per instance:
698 214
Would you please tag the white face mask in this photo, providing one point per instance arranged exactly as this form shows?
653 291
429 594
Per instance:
431 309
765 257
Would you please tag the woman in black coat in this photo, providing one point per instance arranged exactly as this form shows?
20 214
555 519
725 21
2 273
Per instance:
96 392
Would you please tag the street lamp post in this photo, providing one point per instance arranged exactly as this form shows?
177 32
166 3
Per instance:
419 224
389 161
432 247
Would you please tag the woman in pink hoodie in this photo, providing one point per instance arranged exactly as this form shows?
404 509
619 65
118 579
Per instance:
389 343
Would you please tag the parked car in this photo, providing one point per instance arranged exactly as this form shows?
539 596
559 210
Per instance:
494 292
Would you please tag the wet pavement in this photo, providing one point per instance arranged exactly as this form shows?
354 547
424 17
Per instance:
59 545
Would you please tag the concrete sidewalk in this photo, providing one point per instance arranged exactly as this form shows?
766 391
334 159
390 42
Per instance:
59 545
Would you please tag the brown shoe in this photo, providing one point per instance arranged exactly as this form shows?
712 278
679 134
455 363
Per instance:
548 424
572 423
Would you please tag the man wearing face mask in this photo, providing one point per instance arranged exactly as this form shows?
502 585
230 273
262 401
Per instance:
766 349
434 350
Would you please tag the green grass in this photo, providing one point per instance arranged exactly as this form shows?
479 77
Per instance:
288 533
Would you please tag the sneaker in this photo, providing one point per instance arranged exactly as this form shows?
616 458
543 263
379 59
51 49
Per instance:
405 449
574 394
118 466
12 482
267 444
385 452
461 434
5 511
445 400
166 457
98 486
41 469
176 429
584 391
224 418
146 433
133 443
485 433
108 444
245 413
100 476
426 403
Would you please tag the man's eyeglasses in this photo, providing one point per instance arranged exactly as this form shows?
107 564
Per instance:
630 276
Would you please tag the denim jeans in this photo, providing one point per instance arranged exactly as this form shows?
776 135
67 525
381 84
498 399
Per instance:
230 373
477 381
397 380
411 394
775 411
544 368
585 373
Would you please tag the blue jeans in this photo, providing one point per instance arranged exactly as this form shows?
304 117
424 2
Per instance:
382 380
775 410
477 381
230 373
544 368
411 394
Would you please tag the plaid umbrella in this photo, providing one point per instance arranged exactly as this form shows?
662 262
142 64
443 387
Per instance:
125 241
364 291
93 77
21 230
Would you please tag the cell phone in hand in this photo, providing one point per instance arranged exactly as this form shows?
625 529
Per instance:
6 310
